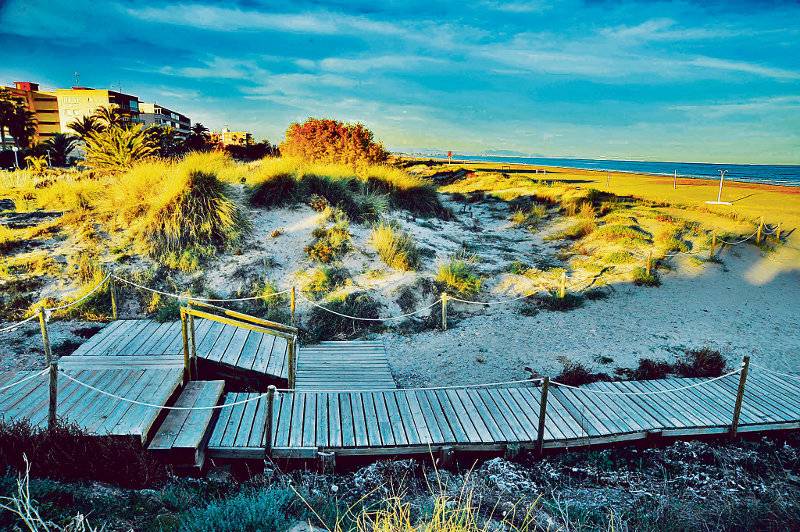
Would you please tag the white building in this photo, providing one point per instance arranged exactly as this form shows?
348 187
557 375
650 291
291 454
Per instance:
153 114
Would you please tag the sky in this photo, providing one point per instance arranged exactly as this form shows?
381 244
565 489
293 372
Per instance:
711 81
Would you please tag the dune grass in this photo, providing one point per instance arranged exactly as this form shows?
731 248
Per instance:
458 274
331 238
395 247
364 193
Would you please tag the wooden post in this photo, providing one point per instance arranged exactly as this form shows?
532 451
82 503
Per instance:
713 245
292 307
760 230
187 368
194 345
562 287
269 422
648 267
112 288
778 233
327 461
292 361
542 415
737 409
48 357
444 311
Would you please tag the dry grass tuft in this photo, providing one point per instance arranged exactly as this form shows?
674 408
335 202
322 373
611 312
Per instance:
395 247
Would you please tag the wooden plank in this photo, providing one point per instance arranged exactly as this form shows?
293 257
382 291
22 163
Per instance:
261 358
235 421
170 428
298 410
233 351
249 350
309 434
209 338
285 419
395 418
384 423
247 424
438 428
195 428
413 419
493 416
322 420
138 414
221 344
97 337
110 381
500 397
111 336
121 340
142 335
222 421
334 421
370 415
359 423
456 412
118 407
485 433
257 434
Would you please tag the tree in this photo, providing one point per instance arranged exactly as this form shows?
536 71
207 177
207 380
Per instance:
197 140
86 126
165 139
16 119
110 116
332 141
36 163
22 125
60 146
118 148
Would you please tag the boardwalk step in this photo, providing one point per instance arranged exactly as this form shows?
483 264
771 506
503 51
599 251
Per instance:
182 437
354 365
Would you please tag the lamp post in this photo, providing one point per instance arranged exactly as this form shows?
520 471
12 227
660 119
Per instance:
719 193
16 158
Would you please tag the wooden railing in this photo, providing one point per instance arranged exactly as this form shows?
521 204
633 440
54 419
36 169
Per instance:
205 310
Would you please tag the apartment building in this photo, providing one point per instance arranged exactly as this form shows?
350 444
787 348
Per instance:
77 102
226 137
151 113
43 105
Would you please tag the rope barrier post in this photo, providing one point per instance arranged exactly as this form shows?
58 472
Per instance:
48 357
292 304
778 233
112 288
194 345
269 421
648 267
760 230
187 368
444 311
737 409
292 356
562 287
713 245
542 415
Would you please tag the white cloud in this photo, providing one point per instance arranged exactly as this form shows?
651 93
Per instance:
754 105
744 67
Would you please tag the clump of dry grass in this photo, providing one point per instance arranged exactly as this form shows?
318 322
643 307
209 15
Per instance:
331 238
395 247
458 275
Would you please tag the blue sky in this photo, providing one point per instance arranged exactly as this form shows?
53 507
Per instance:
715 81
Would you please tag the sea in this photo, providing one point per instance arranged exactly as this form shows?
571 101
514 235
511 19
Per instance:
787 175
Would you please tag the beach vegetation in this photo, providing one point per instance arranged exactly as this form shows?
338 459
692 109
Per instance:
331 237
395 247
332 141
322 280
574 231
322 325
117 148
642 278
458 274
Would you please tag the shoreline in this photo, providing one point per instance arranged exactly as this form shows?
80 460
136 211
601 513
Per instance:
731 180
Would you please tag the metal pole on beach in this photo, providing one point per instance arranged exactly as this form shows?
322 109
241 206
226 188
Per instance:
675 180
721 180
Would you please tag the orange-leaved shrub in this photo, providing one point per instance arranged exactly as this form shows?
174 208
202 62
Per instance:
332 141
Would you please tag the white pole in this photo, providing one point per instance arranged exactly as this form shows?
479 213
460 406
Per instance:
721 179
16 159
675 180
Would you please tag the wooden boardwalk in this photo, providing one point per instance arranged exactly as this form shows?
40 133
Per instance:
494 419
358 365
154 381
234 348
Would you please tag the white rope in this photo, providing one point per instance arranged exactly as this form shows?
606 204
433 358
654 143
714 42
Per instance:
738 241
18 324
26 379
205 299
657 392
496 302
428 388
78 301
151 405
769 370
388 318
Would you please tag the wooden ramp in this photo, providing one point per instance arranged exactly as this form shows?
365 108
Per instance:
492 419
181 439
232 348
356 365
153 381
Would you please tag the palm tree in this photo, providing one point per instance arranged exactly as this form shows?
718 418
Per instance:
165 139
85 126
60 146
8 103
22 125
118 148
198 138
110 116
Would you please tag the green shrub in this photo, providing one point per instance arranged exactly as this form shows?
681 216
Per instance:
570 301
703 362
323 325
458 275
669 240
395 247
320 281
642 278
619 257
272 508
623 234
273 190
332 241
576 374
192 217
